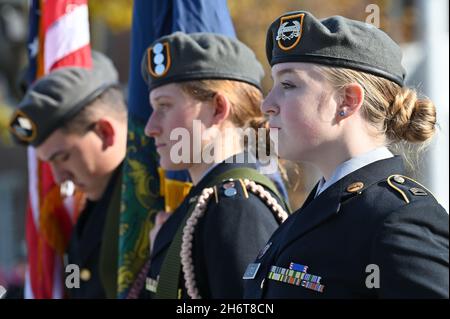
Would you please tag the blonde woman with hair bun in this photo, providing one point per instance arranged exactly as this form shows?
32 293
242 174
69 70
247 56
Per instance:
366 230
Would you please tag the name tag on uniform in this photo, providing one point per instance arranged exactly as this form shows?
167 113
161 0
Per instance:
251 271
151 284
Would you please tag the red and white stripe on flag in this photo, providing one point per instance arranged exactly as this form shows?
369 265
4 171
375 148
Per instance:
66 25
64 41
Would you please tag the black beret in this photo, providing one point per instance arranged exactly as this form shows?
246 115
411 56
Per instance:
57 97
336 42
199 56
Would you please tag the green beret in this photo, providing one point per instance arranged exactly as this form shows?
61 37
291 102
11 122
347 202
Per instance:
336 42
57 97
199 56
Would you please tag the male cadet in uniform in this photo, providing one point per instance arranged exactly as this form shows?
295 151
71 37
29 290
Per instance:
76 119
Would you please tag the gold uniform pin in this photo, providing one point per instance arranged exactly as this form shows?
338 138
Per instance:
355 187
85 274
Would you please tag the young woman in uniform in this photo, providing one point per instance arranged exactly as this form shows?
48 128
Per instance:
210 85
366 230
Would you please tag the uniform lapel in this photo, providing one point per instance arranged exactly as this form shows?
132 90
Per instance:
92 231
314 212
170 227
317 210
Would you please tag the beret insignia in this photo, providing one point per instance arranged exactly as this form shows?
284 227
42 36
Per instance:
290 31
158 59
23 127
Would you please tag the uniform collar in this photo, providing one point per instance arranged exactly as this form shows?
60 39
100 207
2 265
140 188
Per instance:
316 210
170 227
352 165
235 161
90 226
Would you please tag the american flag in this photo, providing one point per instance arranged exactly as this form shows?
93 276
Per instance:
58 37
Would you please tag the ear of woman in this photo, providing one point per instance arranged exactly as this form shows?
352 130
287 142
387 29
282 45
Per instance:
352 100
222 108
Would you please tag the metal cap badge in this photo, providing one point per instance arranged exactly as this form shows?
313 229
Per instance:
335 42
290 31
158 59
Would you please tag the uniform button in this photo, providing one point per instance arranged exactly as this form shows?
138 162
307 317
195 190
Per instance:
85 274
354 187
399 179
262 283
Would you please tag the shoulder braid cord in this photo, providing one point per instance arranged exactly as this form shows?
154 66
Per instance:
405 198
199 210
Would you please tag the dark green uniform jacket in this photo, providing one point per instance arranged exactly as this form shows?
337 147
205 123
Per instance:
94 244
235 226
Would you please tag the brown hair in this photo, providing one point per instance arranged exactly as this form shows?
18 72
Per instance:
245 111
245 101
394 111
110 102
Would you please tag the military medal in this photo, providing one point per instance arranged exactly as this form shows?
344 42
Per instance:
229 189
294 277
230 192
229 184
298 267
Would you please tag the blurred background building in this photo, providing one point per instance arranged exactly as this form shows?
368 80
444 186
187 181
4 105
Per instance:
420 26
